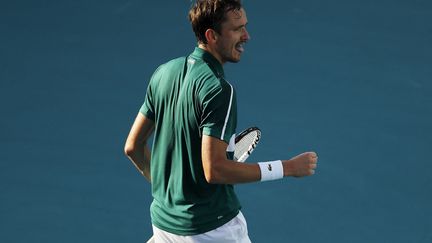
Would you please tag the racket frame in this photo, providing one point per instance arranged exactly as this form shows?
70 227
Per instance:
252 146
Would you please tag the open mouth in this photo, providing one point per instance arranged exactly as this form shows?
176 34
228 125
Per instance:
239 47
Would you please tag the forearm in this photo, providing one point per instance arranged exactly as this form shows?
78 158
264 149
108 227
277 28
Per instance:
136 148
232 172
141 159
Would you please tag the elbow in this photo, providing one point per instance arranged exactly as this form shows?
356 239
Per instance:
211 179
213 174
129 149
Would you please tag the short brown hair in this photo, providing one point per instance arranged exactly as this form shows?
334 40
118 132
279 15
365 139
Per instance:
210 14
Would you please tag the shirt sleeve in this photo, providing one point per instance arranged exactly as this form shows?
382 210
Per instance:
148 108
219 111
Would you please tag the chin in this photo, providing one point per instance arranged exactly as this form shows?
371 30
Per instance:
234 60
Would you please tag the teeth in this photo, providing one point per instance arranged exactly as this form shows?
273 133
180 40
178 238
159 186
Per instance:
240 48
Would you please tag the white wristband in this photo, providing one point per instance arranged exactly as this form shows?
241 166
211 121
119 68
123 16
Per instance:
271 170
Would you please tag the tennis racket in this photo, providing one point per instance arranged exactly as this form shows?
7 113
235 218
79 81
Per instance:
246 142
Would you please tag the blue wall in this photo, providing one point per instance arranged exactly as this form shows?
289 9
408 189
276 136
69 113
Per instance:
348 79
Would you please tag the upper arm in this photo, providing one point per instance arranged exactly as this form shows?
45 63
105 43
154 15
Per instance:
219 118
213 150
140 132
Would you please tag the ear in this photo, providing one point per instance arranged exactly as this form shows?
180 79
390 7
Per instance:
211 36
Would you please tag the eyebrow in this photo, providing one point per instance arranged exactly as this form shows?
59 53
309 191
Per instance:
240 26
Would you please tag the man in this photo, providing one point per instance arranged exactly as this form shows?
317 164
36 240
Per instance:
192 110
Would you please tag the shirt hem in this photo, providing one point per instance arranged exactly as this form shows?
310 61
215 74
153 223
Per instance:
200 230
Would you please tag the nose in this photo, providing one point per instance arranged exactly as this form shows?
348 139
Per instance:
246 35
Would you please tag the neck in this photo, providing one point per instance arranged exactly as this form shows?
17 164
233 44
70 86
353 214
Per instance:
210 50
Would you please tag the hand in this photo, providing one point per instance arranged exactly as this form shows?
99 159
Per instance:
301 165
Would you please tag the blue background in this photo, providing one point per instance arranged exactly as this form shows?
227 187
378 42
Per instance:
350 80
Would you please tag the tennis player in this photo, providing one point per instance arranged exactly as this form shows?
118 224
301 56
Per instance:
192 111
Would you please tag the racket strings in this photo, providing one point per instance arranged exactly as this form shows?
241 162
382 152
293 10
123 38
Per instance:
245 145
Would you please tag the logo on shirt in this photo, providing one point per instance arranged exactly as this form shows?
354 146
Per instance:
269 167
191 61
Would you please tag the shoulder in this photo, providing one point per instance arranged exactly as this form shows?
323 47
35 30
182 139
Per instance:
172 64
216 89
206 77
168 68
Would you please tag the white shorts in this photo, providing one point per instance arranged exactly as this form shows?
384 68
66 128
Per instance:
235 231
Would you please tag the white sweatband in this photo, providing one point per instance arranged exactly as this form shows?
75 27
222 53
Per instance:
271 170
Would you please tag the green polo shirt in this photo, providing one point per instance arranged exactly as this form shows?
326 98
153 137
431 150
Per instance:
186 98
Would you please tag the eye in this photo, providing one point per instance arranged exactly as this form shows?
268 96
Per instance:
240 29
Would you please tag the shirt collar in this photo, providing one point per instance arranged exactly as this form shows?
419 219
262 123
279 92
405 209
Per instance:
213 63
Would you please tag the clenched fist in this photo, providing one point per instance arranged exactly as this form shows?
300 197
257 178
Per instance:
301 165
